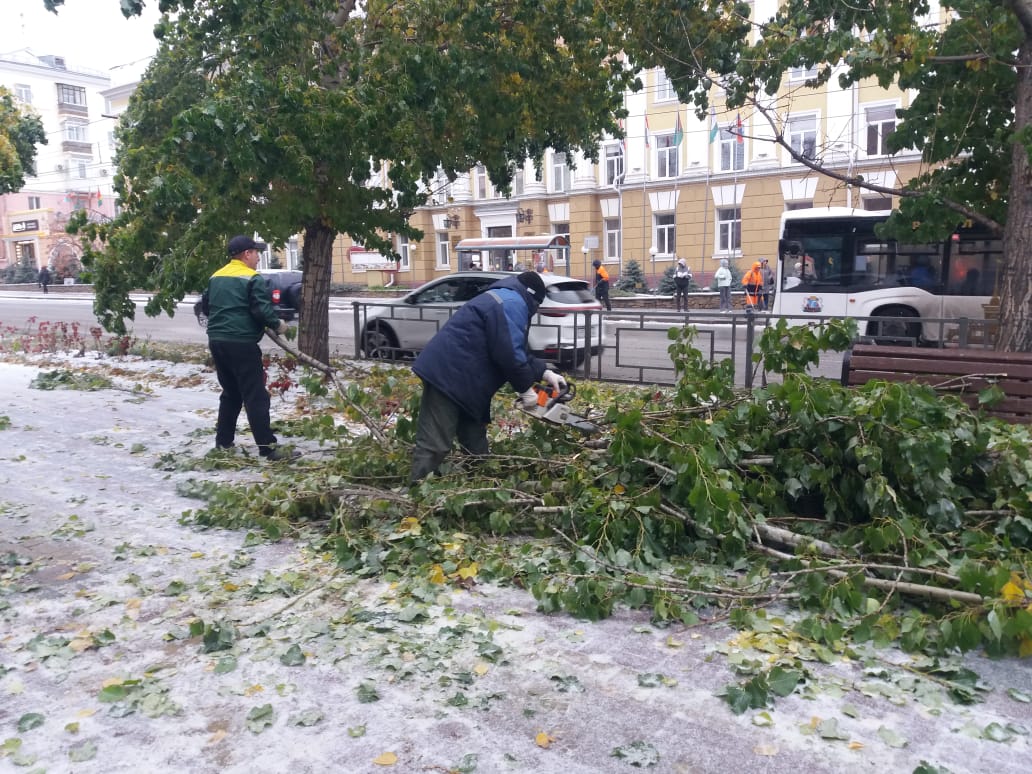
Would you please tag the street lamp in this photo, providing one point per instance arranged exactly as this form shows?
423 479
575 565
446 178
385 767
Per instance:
652 254
451 220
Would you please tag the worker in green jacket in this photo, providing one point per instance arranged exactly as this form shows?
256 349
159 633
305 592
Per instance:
239 311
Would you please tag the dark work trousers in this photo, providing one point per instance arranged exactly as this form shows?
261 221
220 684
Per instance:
602 295
242 377
681 297
440 422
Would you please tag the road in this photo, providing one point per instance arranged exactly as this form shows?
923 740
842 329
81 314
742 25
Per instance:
636 348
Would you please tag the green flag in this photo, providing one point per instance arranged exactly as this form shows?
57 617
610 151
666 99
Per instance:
678 132
714 128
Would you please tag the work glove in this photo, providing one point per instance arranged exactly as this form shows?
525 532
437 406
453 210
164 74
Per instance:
529 398
554 380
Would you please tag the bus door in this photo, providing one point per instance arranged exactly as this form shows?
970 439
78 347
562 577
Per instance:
814 270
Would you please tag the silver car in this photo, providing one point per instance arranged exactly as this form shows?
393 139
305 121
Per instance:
404 326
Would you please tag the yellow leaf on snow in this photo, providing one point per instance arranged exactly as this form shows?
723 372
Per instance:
481 669
251 690
619 489
218 736
197 555
437 574
469 571
1012 592
543 740
385 759
85 713
111 681
66 576
765 749
856 745
410 524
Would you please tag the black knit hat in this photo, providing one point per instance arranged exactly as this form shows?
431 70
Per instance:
532 281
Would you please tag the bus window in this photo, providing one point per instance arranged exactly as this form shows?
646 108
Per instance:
919 266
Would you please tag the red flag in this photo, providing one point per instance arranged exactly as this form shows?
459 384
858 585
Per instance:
647 131
738 128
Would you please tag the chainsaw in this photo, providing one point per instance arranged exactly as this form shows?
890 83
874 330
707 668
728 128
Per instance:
551 407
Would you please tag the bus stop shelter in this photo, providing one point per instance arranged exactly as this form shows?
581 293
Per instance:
515 253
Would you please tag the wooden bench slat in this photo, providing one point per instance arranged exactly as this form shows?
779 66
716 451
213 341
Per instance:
952 371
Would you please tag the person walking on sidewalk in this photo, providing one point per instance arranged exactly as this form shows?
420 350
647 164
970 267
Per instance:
682 281
44 279
767 296
723 278
753 284
481 347
602 285
239 311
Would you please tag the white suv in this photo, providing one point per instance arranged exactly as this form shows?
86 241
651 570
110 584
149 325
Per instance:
404 326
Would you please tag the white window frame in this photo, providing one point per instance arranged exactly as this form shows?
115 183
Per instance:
665 91
81 166
482 185
560 173
614 164
664 233
67 94
879 123
403 248
612 232
23 93
729 230
802 73
801 135
443 251
732 152
75 131
667 156
561 255
34 203
293 253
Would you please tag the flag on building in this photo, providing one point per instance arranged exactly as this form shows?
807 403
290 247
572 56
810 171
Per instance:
100 197
647 131
678 131
714 126
738 128
623 138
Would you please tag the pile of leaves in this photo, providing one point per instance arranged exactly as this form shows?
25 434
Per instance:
886 515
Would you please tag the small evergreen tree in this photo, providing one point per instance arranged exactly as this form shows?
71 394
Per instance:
667 286
633 278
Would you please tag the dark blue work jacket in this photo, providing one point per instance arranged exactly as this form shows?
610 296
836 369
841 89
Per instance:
483 346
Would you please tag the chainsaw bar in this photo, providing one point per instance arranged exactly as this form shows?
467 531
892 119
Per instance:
552 408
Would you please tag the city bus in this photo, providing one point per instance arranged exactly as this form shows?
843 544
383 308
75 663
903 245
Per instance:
831 263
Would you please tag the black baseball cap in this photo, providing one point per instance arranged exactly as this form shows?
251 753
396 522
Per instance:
240 243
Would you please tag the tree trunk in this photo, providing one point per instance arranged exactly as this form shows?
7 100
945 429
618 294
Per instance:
1014 284
317 262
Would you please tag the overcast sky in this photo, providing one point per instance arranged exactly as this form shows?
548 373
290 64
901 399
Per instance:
87 33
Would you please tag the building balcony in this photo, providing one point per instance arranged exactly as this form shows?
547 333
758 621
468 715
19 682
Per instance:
77 147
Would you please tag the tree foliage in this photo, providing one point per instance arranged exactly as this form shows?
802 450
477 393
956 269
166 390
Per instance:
19 133
273 116
971 118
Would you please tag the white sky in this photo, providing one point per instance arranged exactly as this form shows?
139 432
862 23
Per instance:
91 34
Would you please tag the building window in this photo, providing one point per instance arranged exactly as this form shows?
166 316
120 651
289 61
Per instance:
23 93
666 234
802 136
666 156
483 185
665 91
614 164
76 131
561 255
80 167
798 206
729 229
802 73
443 250
612 226
881 123
71 95
560 173
732 151
517 183
404 252
877 202
34 203
293 254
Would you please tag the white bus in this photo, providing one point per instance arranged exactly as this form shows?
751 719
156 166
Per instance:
831 263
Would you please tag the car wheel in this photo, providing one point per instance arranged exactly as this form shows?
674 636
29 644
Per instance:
380 343
904 329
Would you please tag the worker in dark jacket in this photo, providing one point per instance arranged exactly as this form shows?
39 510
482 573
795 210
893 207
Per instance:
239 311
478 350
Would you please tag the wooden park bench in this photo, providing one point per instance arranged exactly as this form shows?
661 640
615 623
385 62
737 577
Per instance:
963 372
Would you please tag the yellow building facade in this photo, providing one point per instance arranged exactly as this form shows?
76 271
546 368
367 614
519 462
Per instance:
678 186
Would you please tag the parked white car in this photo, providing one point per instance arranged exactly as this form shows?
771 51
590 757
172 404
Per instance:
402 327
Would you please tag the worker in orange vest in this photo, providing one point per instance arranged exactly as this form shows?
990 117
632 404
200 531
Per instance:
753 284
602 285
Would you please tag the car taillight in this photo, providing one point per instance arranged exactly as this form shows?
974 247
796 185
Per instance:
276 296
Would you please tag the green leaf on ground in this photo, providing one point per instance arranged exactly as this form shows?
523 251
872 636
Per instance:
84 751
638 753
260 718
293 656
367 693
891 738
29 721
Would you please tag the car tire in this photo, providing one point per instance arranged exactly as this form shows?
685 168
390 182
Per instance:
379 343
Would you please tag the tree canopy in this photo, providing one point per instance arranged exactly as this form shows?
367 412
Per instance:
273 116
971 117
19 134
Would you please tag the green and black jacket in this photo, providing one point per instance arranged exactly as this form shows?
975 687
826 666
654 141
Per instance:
239 305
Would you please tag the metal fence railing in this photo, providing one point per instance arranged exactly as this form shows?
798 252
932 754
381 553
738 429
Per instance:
631 345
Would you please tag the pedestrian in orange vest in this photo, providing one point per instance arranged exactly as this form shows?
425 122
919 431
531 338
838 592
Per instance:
753 284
